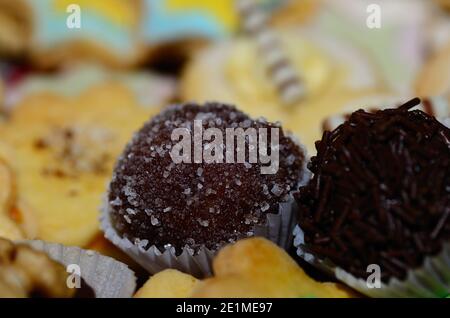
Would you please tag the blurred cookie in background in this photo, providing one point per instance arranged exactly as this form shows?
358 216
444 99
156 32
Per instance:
116 33
174 30
234 72
149 88
444 4
167 21
400 45
56 32
15 28
294 12
64 155
437 106
17 219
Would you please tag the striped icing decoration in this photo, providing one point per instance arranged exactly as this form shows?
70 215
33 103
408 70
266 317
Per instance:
436 106
280 69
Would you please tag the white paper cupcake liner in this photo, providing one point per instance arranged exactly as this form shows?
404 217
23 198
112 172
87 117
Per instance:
430 280
106 276
278 229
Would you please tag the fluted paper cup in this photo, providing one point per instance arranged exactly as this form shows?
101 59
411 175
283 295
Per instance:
106 276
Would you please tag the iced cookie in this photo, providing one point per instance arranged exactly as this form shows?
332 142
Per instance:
257 268
61 32
331 73
64 154
149 89
174 30
174 20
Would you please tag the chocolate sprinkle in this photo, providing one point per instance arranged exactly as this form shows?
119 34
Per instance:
154 201
380 193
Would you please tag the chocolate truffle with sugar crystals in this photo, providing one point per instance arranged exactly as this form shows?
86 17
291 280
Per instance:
380 193
154 201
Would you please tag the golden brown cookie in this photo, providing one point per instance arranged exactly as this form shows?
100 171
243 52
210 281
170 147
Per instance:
169 283
33 29
258 268
64 153
444 4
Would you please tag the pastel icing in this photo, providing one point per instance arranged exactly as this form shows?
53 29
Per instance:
167 20
109 22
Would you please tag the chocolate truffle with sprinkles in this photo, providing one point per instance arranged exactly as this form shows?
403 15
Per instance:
154 201
380 193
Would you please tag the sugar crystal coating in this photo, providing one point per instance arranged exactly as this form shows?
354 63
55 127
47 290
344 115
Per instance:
169 204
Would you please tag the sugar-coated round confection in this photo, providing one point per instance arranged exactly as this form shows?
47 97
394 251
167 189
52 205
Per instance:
155 201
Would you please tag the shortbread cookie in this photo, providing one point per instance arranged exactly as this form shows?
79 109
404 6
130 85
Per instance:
64 156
